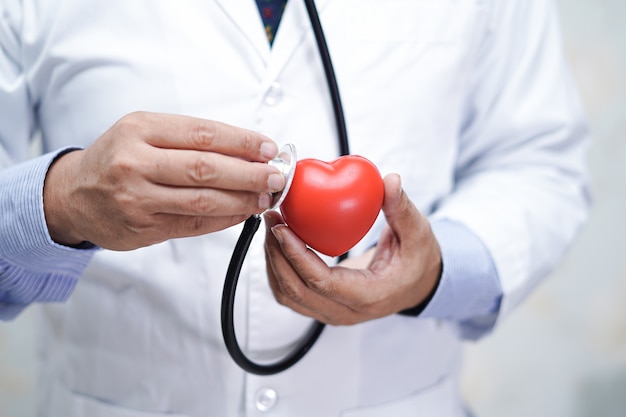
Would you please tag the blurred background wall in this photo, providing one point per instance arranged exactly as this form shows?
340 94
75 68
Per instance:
563 353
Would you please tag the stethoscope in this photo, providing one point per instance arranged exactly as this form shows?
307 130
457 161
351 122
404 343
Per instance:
286 163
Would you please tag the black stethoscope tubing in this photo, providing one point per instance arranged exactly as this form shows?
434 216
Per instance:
331 79
252 225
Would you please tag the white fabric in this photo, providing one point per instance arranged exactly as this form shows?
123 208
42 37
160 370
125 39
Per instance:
469 100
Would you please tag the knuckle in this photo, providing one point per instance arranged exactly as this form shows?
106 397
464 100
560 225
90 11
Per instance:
139 228
197 224
366 309
203 170
191 226
292 292
134 225
121 165
202 203
205 135
126 202
132 122
281 298
248 142
321 285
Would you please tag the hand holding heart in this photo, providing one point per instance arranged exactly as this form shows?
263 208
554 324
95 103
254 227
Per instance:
398 274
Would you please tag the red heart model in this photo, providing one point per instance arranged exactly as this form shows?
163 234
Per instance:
331 206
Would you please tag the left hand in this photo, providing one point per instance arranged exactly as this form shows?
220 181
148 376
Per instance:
399 273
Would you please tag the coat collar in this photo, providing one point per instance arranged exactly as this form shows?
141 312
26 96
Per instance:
293 27
245 16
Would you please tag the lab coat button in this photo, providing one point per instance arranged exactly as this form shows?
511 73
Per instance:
265 399
274 95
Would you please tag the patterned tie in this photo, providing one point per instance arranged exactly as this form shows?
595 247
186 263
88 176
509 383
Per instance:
271 12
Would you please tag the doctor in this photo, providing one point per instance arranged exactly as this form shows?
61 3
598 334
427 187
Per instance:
130 217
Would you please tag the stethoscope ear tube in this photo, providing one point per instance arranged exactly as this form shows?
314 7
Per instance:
331 79
252 225
228 302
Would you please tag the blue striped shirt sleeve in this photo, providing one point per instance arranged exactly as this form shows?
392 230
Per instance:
33 268
469 290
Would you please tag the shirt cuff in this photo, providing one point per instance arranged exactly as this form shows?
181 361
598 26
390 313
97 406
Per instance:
469 287
10 311
32 266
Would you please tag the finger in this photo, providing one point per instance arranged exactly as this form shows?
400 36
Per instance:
184 132
290 291
336 295
361 292
271 219
313 283
203 201
292 295
401 214
188 226
161 227
189 168
396 203
408 241
292 252
332 313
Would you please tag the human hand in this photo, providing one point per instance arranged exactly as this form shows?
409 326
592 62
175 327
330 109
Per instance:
153 177
398 274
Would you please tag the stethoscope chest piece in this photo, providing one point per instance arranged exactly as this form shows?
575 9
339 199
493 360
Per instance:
285 162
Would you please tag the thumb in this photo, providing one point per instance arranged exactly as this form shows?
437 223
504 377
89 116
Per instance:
401 214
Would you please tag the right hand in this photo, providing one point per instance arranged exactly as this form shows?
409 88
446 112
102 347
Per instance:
153 177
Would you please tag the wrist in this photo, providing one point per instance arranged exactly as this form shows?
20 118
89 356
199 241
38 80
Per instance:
431 277
417 310
56 199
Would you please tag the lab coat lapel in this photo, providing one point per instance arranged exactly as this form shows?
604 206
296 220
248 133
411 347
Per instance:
245 15
294 26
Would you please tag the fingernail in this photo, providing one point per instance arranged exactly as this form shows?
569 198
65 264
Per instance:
399 185
264 201
277 233
267 218
275 182
269 150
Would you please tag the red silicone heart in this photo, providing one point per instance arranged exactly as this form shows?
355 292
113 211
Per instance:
331 206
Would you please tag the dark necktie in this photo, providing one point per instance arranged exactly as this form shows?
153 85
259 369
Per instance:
271 12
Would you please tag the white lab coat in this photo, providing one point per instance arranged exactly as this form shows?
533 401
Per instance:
468 100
